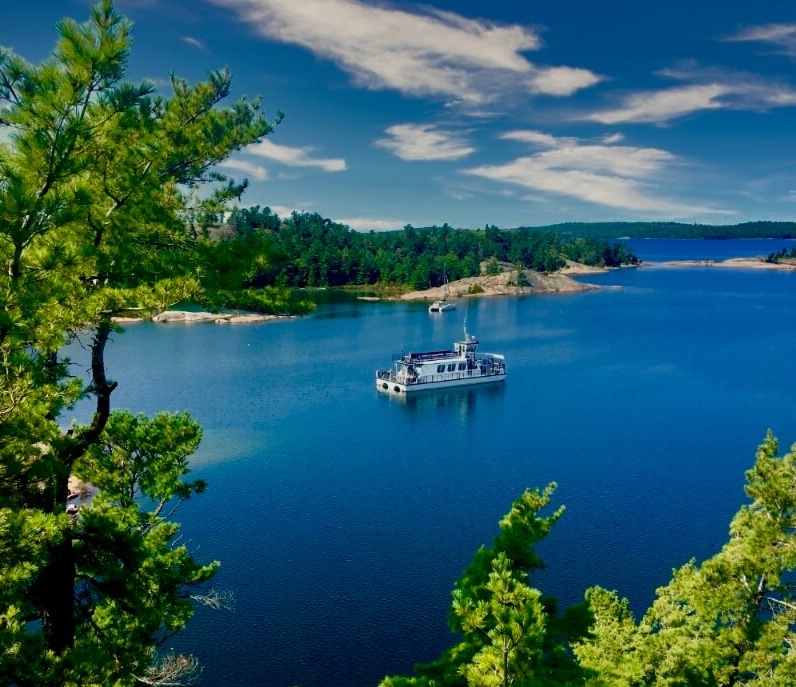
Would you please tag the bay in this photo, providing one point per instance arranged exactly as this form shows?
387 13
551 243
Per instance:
343 517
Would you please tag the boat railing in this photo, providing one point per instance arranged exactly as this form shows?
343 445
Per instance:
486 369
431 355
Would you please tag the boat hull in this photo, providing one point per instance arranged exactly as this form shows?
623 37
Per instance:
388 385
441 306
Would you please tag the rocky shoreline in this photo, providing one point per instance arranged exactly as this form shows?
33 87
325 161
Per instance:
502 284
190 317
784 265
505 283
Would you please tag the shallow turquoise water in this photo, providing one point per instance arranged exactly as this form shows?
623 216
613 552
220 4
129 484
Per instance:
343 517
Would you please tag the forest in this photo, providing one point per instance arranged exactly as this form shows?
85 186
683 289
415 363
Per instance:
308 250
98 208
676 230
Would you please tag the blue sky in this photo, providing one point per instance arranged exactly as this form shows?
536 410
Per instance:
513 113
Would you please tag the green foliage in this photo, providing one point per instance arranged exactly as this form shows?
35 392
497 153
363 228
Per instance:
100 214
492 266
474 289
781 255
727 621
510 634
308 250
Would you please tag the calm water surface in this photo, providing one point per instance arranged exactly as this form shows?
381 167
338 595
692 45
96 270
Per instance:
343 517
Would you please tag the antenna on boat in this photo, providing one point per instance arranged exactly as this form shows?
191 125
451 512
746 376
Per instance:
466 335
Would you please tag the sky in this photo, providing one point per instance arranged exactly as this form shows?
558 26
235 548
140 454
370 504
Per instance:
509 113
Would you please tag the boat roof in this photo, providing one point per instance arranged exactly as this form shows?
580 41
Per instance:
430 355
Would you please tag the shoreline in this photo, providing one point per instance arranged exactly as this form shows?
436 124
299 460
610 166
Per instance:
501 284
505 284
742 263
191 317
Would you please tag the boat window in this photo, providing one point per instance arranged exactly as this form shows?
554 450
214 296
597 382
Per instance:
462 366
451 367
440 368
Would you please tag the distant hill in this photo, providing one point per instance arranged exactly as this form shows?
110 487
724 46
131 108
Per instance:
673 230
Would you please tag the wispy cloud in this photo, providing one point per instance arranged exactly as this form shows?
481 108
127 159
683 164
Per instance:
256 172
781 36
661 106
616 176
708 90
295 157
427 52
194 42
423 142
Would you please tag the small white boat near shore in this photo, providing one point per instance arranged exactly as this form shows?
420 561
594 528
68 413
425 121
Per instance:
442 305
461 366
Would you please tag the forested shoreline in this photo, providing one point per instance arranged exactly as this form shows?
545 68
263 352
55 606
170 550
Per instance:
308 250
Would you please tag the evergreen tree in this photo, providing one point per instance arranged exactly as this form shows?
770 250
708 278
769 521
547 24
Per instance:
729 621
510 633
99 216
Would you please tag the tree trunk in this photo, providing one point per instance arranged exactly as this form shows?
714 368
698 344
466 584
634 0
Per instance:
56 584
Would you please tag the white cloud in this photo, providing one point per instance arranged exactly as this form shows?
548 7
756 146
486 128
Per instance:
194 42
622 177
423 142
295 157
534 137
284 211
661 106
610 139
356 223
562 80
419 53
711 91
782 36
256 172
368 224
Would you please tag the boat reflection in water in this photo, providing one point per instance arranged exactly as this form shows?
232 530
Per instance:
462 399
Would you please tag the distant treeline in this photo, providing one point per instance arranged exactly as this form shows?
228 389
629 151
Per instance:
675 230
308 250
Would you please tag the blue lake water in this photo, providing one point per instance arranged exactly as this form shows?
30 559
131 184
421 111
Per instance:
343 517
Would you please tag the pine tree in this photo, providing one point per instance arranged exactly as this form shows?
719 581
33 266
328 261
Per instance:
98 217
729 621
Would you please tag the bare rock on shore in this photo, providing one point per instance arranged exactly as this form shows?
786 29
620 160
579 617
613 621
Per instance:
169 316
504 284
759 263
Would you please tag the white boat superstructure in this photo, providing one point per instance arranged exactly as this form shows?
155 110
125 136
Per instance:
442 305
462 366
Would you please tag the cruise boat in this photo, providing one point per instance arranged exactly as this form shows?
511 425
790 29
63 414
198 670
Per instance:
462 366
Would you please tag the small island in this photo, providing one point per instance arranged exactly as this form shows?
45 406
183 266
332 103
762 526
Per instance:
508 281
